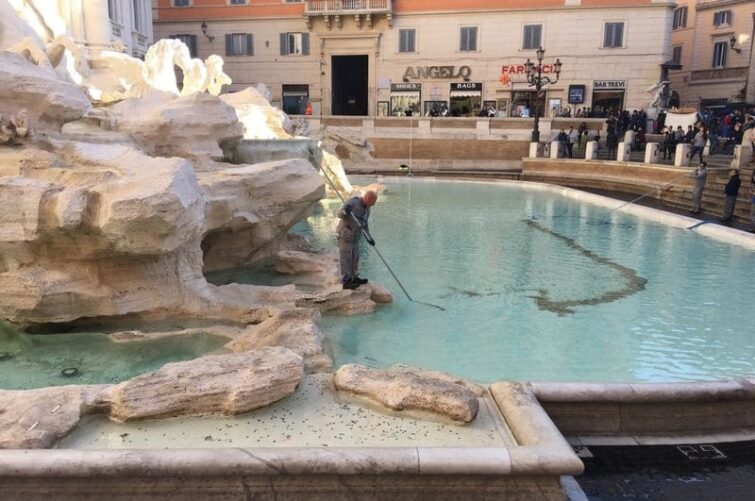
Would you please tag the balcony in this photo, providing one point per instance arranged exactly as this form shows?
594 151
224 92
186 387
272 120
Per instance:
720 74
335 10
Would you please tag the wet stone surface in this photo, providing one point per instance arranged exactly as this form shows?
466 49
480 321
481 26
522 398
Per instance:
311 417
724 471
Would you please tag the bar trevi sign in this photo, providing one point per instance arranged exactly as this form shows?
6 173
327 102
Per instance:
438 72
609 84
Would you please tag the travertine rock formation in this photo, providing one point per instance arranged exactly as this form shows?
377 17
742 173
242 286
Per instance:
49 101
260 120
193 127
220 384
297 329
36 419
410 391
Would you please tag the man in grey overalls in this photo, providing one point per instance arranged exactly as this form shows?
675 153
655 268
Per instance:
700 175
354 213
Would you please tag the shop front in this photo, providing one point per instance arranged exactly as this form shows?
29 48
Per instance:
608 95
405 99
295 99
465 99
523 103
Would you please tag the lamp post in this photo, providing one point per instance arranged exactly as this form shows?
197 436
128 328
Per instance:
536 79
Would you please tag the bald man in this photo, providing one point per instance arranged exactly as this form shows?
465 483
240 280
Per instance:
354 213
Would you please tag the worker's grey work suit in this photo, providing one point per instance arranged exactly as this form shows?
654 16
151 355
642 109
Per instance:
701 175
348 237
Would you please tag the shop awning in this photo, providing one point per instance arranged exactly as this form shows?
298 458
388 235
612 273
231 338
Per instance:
466 93
405 94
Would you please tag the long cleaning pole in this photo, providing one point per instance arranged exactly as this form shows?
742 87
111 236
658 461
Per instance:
374 247
667 185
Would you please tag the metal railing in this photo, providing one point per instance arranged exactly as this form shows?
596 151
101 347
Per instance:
319 7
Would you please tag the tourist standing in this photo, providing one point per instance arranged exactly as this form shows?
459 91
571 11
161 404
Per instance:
731 191
573 139
700 175
698 144
354 216
669 144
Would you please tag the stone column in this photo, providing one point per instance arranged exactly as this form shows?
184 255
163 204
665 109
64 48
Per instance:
623 152
591 150
652 151
96 26
742 156
681 158
555 149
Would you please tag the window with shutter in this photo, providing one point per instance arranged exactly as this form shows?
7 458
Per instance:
294 44
239 44
533 34
406 40
680 18
722 18
676 55
468 39
614 35
720 50
181 3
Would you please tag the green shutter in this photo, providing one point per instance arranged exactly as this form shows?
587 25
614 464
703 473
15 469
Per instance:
228 44
305 44
284 44
249 44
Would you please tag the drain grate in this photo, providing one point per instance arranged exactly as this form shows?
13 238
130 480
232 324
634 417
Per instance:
701 452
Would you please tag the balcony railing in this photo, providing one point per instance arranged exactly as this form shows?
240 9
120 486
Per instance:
345 7
720 74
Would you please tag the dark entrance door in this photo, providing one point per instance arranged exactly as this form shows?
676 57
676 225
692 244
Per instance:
349 85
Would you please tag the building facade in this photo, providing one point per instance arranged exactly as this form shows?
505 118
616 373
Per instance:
713 41
386 57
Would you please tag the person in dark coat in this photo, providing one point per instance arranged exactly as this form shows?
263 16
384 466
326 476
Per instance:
731 191
354 217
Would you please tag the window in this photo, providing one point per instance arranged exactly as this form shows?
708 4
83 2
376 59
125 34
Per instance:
533 34
614 35
112 11
680 18
293 44
139 23
468 39
190 41
406 40
181 3
721 18
676 55
239 44
238 2
719 54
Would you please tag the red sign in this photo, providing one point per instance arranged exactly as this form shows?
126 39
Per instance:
519 69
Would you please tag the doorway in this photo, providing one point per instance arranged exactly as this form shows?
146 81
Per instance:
350 78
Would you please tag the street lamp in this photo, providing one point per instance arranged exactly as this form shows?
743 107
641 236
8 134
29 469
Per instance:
536 79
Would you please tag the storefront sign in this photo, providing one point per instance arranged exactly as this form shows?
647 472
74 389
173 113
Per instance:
576 94
438 72
466 86
406 87
609 85
519 69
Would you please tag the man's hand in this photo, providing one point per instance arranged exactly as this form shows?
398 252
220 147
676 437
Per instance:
370 240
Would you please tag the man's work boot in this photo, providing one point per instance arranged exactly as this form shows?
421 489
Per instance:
361 281
351 284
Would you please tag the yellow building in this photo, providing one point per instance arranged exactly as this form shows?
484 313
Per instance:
390 57
713 40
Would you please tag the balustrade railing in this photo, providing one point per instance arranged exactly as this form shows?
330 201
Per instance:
347 6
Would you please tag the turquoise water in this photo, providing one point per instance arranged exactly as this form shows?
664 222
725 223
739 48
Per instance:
35 361
577 294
